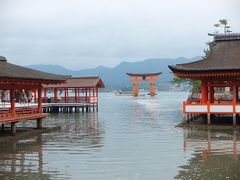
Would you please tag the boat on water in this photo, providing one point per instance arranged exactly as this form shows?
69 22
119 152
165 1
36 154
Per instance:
142 92
123 93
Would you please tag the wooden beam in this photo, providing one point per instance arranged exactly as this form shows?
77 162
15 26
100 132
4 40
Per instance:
204 92
39 123
13 128
12 101
135 89
152 89
40 99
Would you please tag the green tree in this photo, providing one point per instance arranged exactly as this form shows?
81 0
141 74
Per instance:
193 85
206 51
178 81
223 23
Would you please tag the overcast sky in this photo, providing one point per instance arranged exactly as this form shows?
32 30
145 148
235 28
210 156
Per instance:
81 34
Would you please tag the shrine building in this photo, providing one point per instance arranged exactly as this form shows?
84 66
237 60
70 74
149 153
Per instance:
219 74
77 93
14 78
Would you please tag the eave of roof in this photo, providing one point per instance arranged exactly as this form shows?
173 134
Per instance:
14 72
182 70
80 82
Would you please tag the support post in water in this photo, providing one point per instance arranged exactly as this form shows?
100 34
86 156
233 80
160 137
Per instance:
13 128
208 118
39 123
234 120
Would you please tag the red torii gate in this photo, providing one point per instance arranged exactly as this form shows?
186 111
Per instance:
136 78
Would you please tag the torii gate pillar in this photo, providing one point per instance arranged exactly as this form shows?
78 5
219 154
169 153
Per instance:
136 78
152 89
135 89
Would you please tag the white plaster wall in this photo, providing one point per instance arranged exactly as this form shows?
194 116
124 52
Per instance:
238 109
221 109
196 108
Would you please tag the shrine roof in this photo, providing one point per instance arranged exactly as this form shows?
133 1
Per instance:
224 56
82 81
12 71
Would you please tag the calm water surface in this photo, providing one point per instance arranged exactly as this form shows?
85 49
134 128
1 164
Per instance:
128 139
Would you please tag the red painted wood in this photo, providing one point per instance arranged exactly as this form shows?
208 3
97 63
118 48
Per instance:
35 96
55 94
211 94
40 100
204 92
12 101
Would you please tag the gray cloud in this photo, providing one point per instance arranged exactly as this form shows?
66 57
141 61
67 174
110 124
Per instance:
88 33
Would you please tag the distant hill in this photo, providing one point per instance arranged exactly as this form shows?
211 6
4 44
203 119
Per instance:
116 76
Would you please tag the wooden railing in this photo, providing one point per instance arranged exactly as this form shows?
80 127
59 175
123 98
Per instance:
93 99
19 112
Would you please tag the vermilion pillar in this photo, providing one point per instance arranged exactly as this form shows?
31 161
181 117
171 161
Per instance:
204 92
234 102
86 95
12 99
152 89
35 96
55 94
211 91
65 95
78 94
135 89
97 93
234 98
40 99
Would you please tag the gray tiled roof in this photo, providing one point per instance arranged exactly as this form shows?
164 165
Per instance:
11 71
224 56
83 81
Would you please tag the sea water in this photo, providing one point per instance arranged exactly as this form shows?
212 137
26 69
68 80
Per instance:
130 138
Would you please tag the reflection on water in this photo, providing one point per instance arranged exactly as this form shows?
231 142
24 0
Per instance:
82 130
128 139
23 159
28 159
216 154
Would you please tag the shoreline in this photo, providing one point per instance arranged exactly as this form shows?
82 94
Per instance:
204 126
24 133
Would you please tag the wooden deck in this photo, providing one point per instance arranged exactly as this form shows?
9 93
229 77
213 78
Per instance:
30 111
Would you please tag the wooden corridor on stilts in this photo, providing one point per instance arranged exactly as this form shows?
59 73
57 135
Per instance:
77 94
16 80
